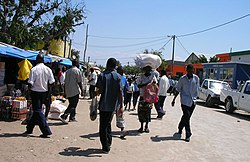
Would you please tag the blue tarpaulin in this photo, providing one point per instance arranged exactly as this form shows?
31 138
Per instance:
66 62
11 51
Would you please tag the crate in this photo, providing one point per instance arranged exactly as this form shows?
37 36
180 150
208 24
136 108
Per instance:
18 116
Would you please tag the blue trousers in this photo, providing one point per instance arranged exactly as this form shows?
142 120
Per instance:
38 117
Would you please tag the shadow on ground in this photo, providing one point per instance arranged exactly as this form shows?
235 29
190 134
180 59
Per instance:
76 151
243 115
202 103
9 135
115 134
175 136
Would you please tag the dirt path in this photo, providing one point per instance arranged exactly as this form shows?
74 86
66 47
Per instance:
217 136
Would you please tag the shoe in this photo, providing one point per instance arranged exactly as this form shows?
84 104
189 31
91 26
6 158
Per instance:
44 136
140 130
188 137
72 120
27 133
123 134
106 150
63 119
146 130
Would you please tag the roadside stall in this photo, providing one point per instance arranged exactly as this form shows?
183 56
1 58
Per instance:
15 66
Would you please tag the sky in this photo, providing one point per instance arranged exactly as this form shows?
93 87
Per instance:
125 28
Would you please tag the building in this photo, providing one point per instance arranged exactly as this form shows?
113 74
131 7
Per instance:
233 68
179 67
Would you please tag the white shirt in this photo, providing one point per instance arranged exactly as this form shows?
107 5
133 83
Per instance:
62 78
40 76
94 77
163 86
188 89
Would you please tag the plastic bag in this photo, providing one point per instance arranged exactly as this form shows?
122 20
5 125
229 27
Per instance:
93 109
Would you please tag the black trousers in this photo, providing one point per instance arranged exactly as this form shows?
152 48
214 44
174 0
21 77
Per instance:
185 119
71 109
91 91
135 98
105 129
38 117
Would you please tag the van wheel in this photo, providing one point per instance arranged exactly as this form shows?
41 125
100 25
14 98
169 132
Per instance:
209 101
229 105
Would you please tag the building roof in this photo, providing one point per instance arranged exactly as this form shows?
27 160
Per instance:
240 53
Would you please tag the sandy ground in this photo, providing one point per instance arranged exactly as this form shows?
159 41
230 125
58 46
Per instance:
217 136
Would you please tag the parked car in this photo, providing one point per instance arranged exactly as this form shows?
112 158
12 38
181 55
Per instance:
210 89
237 99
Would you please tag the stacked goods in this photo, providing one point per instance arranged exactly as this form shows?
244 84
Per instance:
56 109
2 73
19 108
5 107
143 60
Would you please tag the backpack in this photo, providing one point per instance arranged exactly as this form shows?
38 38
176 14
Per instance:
151 93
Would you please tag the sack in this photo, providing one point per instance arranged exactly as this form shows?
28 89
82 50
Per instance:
152 60
151 93
93 109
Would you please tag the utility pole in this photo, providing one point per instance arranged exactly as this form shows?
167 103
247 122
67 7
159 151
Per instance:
173 36
86 43
70 44
65 41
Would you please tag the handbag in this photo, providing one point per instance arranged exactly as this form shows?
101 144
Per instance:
93 108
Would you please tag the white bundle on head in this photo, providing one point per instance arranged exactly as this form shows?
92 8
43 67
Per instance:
143 60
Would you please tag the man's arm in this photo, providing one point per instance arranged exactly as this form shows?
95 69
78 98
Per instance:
81 88
176 93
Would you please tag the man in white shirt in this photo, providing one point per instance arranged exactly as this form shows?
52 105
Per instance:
40 80
162 93
187 86
92 83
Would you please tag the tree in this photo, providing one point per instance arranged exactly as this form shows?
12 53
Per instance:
201 59
75 53
214 59
131 70
25 23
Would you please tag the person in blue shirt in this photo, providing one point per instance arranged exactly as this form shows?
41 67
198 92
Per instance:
109 86
187 86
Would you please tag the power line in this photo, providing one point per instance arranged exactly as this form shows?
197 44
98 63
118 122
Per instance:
95 36
128 45
214 26
165 44
182 45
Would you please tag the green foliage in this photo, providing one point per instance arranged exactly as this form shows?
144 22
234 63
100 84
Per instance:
25 23
131 70
201 59
75 53
214 59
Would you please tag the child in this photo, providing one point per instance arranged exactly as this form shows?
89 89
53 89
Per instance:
129 94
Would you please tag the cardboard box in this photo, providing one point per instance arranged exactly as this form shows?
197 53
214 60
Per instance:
19 104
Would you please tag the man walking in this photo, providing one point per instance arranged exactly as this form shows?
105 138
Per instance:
92 83
187 86
72 83
40 80
162 93
110 88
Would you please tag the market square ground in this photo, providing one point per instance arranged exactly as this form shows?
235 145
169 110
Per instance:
217 136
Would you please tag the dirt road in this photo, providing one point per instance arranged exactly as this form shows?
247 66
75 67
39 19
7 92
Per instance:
217 136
